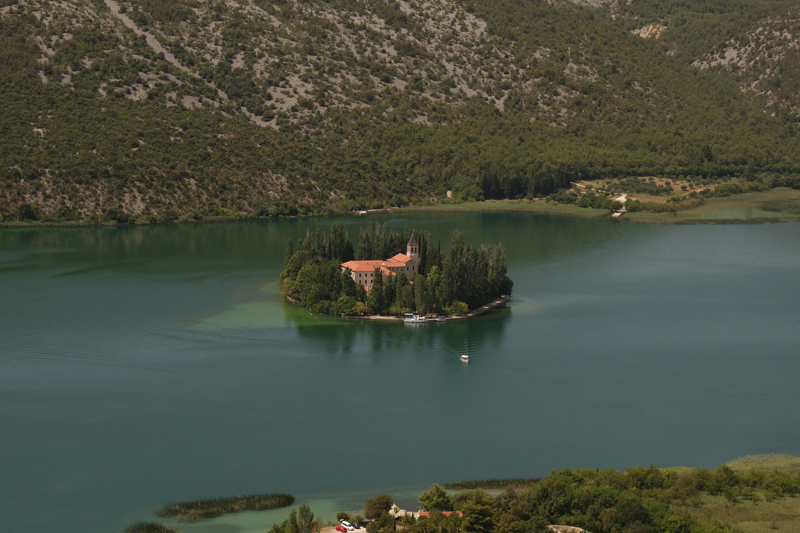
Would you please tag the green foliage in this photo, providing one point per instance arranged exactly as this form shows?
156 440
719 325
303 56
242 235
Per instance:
384 523
457 308
191 511
638 500
488 483
300 520
465 189
478 513
377 505
149 527
653 207
435 499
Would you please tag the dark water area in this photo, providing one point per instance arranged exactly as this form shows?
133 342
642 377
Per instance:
143 365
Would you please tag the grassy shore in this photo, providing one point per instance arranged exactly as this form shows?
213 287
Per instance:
774 205
758 511
502 206
768 462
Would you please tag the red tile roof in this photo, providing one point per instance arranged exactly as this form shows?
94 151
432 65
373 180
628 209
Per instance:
370 266
402 258
362 266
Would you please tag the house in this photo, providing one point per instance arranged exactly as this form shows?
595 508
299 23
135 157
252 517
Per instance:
363 272
445 513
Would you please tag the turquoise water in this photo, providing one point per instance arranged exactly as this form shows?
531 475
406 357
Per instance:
143 365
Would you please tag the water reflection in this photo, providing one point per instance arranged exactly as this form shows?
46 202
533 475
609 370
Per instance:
451 338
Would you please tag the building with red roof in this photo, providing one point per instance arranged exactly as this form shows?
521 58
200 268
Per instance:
445 513
363 272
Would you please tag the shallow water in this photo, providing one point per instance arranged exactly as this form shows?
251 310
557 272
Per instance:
145 365
741 213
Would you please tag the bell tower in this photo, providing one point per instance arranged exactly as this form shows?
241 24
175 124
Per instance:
412 248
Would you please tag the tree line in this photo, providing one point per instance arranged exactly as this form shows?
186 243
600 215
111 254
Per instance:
638 500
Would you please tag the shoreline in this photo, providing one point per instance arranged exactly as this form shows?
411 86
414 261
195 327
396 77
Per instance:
472 314
745 208
766 204
475 312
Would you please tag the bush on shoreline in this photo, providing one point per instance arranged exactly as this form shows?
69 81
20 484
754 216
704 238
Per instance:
149 527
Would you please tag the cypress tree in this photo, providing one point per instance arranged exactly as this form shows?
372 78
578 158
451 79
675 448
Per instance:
287 256
376 300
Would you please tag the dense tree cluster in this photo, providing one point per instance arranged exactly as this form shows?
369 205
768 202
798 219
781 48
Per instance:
466 278
639 500
301 520
313 277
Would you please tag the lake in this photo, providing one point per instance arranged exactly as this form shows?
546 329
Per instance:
144 365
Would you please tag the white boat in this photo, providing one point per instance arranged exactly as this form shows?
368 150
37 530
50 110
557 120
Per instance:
411 318
465 358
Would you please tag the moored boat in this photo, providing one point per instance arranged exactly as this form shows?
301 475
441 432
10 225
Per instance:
411 318
465 358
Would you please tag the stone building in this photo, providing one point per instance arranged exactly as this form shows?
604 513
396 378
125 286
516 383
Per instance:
363 272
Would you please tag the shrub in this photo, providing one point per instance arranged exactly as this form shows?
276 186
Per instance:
149 527
374 507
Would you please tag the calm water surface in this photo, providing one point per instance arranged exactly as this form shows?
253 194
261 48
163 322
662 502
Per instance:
145 365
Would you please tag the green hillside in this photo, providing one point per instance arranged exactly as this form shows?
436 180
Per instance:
256 108
753 43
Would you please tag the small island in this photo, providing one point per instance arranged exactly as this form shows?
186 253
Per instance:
392 273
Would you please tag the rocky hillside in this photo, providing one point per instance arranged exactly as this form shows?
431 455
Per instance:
753 43
145 110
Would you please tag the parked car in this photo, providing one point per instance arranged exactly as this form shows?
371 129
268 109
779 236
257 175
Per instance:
344 522
341 529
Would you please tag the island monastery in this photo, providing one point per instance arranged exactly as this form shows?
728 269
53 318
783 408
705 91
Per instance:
363 272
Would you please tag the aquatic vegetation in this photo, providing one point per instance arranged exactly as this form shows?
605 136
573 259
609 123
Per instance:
488 483
149 527
200 509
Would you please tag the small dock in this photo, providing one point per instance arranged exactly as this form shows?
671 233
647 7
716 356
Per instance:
491 305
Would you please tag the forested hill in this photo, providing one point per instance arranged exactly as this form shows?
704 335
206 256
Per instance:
755 44
146 110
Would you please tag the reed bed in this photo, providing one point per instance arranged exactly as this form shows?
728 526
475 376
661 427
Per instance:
192 511
488 483
149 527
